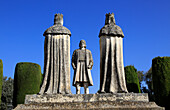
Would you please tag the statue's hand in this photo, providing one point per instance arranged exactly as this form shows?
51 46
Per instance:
74 67
89 67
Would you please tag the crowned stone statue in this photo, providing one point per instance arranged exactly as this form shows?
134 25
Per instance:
56 59
82 63
112 75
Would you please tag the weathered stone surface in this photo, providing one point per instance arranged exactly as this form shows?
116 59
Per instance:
112 76
59 98
56 61
118 101
97 105
57 29
111 30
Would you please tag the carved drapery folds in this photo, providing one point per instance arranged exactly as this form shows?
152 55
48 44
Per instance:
56 59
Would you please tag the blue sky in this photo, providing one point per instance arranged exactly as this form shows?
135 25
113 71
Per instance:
145 24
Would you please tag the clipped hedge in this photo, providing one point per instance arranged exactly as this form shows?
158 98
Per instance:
132 81
27 80
161 80
1 78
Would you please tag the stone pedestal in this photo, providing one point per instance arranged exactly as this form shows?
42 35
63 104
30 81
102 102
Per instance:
118 101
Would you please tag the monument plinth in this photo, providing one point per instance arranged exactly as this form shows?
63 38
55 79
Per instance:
108 101
59 98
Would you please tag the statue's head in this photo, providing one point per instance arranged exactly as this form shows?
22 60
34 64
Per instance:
82 44
109 19
58 20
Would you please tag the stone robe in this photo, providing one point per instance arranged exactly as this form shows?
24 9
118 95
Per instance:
112 76
82 73
56 65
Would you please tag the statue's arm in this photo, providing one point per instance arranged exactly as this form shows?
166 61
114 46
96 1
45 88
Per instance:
90 60
74 60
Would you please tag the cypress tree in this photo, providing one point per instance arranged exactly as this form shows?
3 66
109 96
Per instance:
161 80
27 80
1 78
132 81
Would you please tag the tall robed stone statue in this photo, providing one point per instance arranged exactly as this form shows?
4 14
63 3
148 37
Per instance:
112 75
82 63
56 59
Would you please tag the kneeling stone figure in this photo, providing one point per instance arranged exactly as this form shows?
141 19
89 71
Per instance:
82 63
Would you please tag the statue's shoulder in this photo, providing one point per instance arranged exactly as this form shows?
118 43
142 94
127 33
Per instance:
76 50
87 50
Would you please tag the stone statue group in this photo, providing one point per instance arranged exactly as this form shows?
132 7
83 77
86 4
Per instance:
55 92
57 60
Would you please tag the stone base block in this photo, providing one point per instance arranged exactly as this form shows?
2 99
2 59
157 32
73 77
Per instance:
86 97
119 101
105 105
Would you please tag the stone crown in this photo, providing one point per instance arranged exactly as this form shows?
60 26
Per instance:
110 19
58 20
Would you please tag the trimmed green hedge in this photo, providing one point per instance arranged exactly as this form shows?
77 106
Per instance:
1 78
161 80
27 80
132 81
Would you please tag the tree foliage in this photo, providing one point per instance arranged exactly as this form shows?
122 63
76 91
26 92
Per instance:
7 94
161 80
27 80
149 82
148 79
140 76
132 81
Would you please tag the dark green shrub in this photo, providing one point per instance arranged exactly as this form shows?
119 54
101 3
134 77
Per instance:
1 78
27 80
7 94
161 80
132 81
